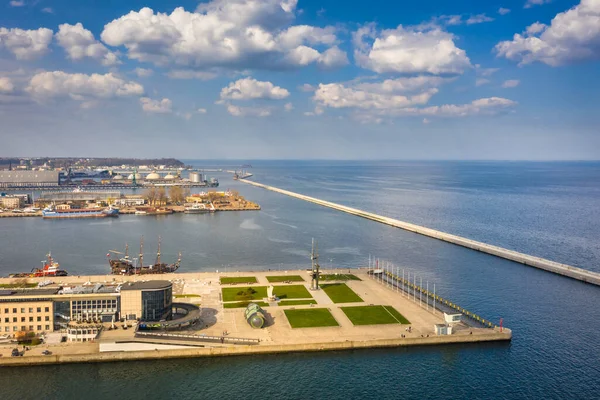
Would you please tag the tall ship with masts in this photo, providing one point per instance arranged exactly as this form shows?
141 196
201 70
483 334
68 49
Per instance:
128 266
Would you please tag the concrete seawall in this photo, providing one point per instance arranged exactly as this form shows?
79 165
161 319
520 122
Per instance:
496 336
536 262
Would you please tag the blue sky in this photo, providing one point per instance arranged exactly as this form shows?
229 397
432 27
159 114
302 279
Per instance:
301 79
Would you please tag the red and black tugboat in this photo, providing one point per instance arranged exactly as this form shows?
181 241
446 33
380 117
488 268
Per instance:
50 268
128 266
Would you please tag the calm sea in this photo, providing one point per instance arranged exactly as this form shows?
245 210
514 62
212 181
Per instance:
544 209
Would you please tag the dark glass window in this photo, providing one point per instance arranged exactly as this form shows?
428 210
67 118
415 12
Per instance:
156 305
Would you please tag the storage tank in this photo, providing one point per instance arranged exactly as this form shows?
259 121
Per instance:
255 316
195 177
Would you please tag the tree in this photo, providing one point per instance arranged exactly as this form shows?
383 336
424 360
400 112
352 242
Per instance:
150 195
176 194
161 195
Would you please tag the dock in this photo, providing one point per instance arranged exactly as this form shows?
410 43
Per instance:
525 259
353 309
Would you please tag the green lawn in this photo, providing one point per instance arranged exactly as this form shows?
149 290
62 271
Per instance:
374 315
310 318
19 285
339 277
283 278
244 304
292 292
183 296
340 293
244 293
296 302
237 279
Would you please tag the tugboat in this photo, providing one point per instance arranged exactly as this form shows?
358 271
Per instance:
127 266
50 268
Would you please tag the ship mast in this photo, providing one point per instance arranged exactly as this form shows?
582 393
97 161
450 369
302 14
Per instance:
141 256
158 253
314 258
126 251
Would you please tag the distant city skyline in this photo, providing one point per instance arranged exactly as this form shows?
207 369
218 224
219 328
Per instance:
288 79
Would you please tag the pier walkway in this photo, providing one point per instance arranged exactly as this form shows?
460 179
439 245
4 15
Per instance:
532 261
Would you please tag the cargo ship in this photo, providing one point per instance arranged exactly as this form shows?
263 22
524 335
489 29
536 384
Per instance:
51 212
50 268
128 266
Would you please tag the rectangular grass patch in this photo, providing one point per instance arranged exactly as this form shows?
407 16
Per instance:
292 292
184 296
244 293
340 293
374 315
339 277
227 280
244 304
284 278
310 318
296 302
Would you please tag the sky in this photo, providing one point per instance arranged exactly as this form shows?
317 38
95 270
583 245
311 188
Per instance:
301 79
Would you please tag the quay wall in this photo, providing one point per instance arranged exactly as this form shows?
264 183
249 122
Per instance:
493 336
532 261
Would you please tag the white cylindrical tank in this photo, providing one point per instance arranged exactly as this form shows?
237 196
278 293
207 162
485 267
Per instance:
195 177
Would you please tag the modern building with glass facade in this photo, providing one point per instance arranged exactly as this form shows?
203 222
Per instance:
49 309
147 301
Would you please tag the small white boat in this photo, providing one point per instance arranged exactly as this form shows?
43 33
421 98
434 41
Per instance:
141 212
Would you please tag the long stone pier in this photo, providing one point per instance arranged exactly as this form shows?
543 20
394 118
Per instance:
532 261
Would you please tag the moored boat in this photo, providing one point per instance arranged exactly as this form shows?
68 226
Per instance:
51 212
128 266
50 268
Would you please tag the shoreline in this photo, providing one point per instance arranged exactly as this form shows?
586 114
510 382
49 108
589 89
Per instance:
230 351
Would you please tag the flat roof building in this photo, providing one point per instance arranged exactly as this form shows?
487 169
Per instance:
148 301
9 179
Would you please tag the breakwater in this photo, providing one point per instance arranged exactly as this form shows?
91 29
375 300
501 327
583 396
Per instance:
525 259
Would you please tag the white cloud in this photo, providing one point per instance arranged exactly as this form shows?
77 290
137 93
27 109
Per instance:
26 44
485 71
17 3
190 74
485 106
48 10
156 106
333 58
532 3
409 51
201 111
79 43
481 81
511 83
478 19
535 28
318 111
503 11
573 35
403 85
6 85
143 72
337 95
249 88
235 34
288 107
81 86
237 111
307 88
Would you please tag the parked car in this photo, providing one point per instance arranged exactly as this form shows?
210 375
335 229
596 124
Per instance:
46 352
15 353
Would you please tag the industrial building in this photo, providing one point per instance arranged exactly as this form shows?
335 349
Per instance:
62 197
11 202
49 309
28 179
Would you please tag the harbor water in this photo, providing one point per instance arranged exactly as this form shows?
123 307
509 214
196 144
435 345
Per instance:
543 209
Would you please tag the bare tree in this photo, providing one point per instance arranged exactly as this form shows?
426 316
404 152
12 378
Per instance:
161 195
150 195
176 194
